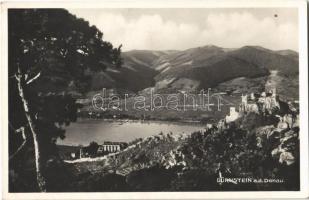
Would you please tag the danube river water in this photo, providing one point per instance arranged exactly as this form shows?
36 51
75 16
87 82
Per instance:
85 131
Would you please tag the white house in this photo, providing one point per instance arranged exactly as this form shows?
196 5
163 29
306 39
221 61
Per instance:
232 116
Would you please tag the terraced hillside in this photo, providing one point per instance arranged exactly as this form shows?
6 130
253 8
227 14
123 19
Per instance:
201 68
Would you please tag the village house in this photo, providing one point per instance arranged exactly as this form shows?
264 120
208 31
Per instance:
248 105
106 148
111 147
269 100
233 115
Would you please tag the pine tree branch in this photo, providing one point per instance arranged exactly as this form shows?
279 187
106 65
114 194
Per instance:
22 131
34 78
18 150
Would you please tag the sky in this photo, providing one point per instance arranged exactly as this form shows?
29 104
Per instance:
184 28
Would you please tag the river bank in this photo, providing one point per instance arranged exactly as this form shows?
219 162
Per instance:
84 131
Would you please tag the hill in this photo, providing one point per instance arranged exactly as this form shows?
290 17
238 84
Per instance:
272 60
288 52
257 143
136 73
201 68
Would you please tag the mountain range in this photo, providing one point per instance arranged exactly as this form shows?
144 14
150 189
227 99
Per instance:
237 69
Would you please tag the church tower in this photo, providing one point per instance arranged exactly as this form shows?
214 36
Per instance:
244 103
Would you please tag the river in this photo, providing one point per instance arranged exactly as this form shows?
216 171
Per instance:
85 131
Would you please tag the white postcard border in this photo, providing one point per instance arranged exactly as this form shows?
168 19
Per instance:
303 86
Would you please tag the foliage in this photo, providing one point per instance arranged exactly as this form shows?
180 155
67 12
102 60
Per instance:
50 55
235 152
151 179
102 182
92 149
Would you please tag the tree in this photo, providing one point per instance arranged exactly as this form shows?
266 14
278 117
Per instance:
51 53
92 148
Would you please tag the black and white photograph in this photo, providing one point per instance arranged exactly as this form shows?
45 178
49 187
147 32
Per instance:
155 99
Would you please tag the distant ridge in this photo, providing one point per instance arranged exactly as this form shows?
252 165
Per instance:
196 68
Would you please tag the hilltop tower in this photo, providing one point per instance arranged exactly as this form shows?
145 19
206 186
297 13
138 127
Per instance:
252 97
274 92
274 102
244 103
